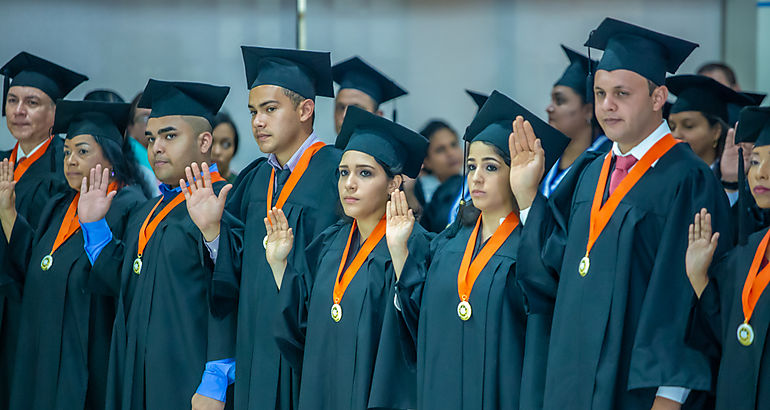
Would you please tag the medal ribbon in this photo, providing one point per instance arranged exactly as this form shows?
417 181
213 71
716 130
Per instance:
756 281
28 161
601 214
294 177
371 242
148 226
469 271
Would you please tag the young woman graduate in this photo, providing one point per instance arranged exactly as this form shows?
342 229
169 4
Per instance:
730 320
61 360
332 310
466 314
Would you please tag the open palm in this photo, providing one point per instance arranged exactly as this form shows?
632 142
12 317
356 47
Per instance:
399 221
95 200
700 250
527 162
280 237
7 187
203 205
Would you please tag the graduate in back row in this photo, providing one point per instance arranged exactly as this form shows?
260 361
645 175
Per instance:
462 308
175 268
604 253
731 317
61 360
333 309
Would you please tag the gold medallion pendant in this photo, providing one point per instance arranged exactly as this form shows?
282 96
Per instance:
46 263
464 310
585 264
336 312
264 242
138 265
745 334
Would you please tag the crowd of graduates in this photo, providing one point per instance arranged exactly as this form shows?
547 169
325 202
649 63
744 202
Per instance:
612 257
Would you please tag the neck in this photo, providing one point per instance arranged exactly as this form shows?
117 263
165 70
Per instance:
27 145
577 145
224 171
491 220
285 155
627 146
710 157
367 224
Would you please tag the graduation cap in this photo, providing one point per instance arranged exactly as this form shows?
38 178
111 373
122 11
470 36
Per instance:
753 127
576 73
734 110
183 98
399 148
355 73
756 98
494 124
478 98
97 118
704 94
643 51
28 70
307 73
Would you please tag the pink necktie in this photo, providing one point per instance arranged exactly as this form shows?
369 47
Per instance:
622 165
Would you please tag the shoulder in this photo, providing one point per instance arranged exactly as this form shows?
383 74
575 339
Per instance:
329 153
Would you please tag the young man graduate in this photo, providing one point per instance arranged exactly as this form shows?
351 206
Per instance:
363 86
298 176
605 252
175 266
30 89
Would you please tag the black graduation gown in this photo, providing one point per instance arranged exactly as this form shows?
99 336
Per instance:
435 216
167 324
743 381
61 359
264 379
337 359
42 180
618 333
471 365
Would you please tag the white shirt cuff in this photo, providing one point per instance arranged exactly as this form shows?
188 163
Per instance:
523 215
213 248
677 394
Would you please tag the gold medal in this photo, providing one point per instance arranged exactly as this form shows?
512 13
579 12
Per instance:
464 310
46 263
336 312
585 264
264 242
745 334
138 265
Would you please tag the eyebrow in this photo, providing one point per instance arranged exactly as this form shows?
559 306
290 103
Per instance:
81 143
490 159
165 130
268 102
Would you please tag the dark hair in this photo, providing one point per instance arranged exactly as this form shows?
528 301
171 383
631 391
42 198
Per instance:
715 120
434 126
296 100
124 165
134 106
467 214
104 96
719 66
224 118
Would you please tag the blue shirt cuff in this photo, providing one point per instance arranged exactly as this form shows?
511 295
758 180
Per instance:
96 236
218 375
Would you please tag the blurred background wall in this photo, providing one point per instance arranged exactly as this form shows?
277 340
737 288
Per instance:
434 48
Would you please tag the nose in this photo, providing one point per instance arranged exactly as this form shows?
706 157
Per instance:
550 108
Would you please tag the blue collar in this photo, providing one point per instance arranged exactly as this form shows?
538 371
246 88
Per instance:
169 193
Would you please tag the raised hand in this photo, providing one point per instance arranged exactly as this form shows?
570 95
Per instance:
700 251
95 200
203 205
527 162
278 243
400 221
7 197
728 164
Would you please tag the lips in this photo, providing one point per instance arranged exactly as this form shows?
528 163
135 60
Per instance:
477 192
612 121
350 199
761 190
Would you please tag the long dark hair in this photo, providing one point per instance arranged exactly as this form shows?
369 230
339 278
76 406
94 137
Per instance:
124 166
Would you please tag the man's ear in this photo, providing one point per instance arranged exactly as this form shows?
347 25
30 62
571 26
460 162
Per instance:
306 109
659 97
205 140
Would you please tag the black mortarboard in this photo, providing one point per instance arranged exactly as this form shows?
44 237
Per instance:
399 148
307 73
494 124
32 71
704 94
183 98
100 119
643 51
577 71
734 110
355 73
478 98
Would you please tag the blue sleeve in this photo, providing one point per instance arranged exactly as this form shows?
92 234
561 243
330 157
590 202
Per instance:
218 375
96 236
